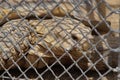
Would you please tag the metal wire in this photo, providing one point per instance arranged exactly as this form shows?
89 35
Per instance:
59 39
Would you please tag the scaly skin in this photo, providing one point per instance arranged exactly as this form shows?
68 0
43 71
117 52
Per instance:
49 38
62 10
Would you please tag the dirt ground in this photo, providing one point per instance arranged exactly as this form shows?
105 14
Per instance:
114 18
74 72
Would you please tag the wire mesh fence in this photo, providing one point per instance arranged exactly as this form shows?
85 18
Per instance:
60 39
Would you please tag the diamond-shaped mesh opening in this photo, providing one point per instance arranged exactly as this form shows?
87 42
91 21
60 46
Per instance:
59 39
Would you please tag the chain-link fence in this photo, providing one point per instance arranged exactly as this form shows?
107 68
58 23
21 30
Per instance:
60 39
